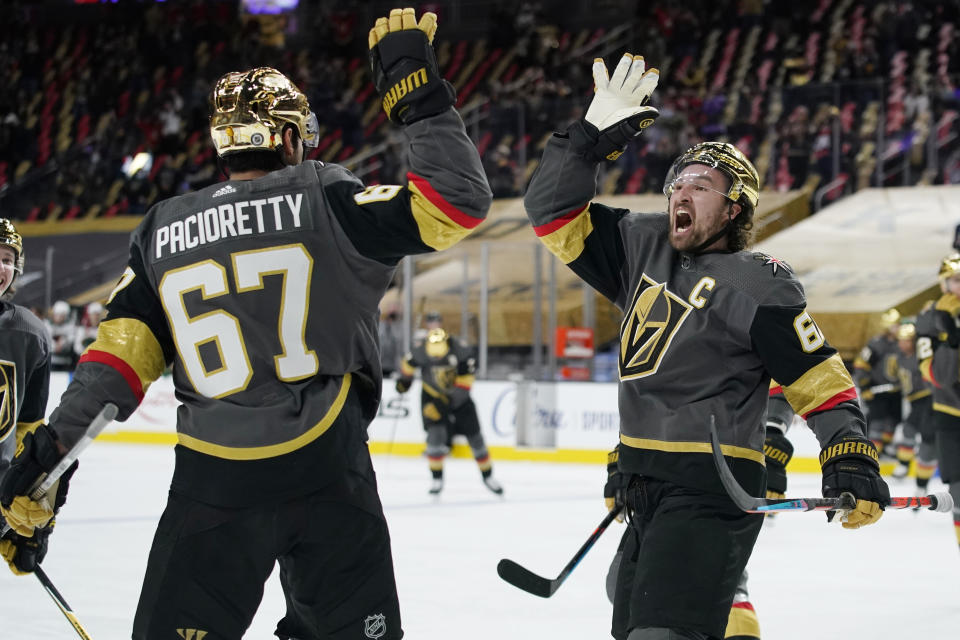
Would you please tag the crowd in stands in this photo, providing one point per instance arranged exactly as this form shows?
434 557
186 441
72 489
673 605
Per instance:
71 329
815 91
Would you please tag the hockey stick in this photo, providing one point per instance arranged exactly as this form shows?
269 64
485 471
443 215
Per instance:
43 484
940 501
61 603
530 582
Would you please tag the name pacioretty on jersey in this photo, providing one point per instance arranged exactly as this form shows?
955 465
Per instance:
229 219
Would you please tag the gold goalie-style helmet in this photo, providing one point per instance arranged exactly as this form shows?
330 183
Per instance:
437 345
890 318
949 266
723 156
10 238
249 109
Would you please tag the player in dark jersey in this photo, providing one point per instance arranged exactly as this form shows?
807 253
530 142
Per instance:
918 424
447 370
876 374
24 387
706 326
263 293
938 341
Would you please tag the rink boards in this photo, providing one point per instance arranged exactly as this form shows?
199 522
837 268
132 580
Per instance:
534 421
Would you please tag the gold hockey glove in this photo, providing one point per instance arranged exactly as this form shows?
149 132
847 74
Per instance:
851 464
23 554
405 69
618 112
36 455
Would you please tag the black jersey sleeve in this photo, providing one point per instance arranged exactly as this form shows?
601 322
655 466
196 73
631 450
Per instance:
583 235
132 348
446 195
809 371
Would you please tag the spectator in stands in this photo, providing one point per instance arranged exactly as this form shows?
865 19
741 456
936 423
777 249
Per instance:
63 332
391 341
87 329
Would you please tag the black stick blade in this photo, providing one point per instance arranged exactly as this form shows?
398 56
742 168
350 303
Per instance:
525 579
741 498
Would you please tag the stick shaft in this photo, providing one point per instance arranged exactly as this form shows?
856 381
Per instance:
60 602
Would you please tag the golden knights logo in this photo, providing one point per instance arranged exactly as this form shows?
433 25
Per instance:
375 626
651 321
444 376
8 397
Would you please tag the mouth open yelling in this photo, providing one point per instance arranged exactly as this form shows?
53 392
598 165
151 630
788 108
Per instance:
682 221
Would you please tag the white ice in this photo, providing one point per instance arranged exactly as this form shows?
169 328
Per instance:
896 580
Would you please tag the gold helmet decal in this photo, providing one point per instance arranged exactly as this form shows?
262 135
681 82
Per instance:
10 238
723 156
907 331
249 109
437 345
949 266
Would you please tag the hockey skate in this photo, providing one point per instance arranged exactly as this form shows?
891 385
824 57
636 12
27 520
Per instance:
901 470
436 486
492 484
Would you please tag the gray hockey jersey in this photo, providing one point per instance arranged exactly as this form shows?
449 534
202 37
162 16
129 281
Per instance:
263 295
701 336
24 374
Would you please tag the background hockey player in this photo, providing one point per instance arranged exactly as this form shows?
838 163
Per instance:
24 388
938 331
706 326
877 375
447 371
263 291
918 440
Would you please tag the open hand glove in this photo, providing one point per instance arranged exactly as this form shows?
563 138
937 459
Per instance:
405 69
618 112
851 464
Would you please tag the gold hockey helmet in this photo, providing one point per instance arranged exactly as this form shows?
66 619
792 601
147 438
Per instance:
949 266
437 345
890 318
723 156
10 238
907 331
249 109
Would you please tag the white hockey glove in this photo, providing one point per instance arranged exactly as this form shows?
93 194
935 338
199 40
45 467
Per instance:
618 112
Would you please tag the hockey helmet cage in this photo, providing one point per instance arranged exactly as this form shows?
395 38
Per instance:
437 344
907 331
10 238
949 266
723 156
248 110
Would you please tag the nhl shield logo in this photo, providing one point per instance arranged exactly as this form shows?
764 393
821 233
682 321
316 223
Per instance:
375 626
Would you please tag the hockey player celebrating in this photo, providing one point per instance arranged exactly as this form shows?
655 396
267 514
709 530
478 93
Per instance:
876 373
24 388
447 369
262 292
919 421
938 341
706 326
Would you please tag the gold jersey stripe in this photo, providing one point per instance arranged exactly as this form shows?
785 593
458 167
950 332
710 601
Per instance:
567 242
437 229
273 450
465 381
133 342
406 369
818 385
945 408
919 394
742 621
692 447
435 393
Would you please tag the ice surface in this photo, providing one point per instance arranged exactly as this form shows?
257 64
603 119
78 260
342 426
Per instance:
898 579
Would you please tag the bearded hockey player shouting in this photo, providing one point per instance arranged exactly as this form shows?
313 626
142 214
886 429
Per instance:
262 292
706 325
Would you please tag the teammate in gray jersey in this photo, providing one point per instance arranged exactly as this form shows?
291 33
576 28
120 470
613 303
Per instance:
24 387
706 326
876 374
263 293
